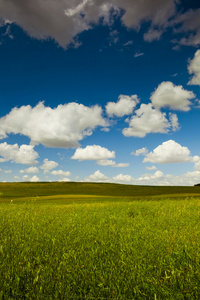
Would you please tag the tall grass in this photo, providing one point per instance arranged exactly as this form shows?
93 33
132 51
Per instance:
100 250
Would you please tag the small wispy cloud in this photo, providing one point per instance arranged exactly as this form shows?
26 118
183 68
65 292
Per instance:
174 75
128 43
138 54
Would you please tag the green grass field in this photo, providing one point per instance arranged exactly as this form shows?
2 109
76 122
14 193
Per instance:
99 241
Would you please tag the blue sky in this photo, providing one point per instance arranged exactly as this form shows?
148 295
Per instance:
104 91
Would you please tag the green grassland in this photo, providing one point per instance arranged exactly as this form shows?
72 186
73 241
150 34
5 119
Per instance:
99 241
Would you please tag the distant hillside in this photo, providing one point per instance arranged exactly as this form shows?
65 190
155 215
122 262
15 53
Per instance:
28 189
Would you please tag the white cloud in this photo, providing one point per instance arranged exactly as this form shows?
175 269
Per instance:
94 152
105 129
148 177
61 127
186 179
64 179
100 154
124 106
197 103
61 173
97 177
108 162
169 152
196 160
151 168
123 179
34 179
8 171
147 120
25 178
142 151
24 154
30 170
121 165
48 165
194 68
174 121
174 97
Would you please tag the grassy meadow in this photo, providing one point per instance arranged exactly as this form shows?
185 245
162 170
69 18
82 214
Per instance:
99 241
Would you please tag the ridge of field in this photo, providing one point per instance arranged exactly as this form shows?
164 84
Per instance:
26 189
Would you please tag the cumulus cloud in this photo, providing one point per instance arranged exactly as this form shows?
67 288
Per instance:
169 152
100 154
34 179
174 97
63 20
64 179
142 151
196 160
94 152
61 127
147 120
158 178
25 178
123 179
151 168
97 177
186 179
24 154
61 173
30 170
108 162
48 165
174 121
148 177
194 68
124 106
